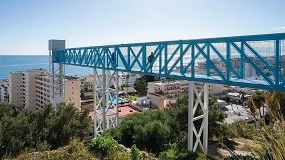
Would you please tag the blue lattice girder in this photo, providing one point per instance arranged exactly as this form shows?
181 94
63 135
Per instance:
205 60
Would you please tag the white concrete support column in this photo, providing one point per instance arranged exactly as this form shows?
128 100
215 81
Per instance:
105 100
202 103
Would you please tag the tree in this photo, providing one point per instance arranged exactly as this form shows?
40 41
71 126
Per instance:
128 77
82 95
33 129
242 97
102 145
112 86
156 131
141 86
256 102
124 85
276 102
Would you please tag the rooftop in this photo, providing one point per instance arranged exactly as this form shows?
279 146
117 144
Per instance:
71 78
129 90
123 111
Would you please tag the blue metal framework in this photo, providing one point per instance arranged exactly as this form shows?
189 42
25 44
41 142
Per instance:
255 61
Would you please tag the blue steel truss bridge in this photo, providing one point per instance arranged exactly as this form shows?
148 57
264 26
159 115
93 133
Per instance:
255 61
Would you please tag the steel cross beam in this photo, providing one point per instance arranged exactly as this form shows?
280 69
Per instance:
255 61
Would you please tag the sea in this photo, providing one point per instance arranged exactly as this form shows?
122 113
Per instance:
14 63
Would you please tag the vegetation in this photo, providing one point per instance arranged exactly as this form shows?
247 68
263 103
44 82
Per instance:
105 147
172 154
40 130
158 131
102 145
124 85
141 84
268 133
75 150
162 133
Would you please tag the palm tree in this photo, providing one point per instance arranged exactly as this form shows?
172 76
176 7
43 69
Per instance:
252 108
257 100
242 97
128 77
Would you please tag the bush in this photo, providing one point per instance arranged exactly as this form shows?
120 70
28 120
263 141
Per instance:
172 154
75 150
102 145
35 130
135 153
242 129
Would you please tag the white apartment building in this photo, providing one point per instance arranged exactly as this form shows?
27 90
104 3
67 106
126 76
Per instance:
87 83
31 88
128 79
4 95
71 91
22 87
213 88
249 71
165 93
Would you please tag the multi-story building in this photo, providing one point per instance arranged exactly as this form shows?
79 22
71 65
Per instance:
32 88
4 96
87 83
127 79
249 71
22 87
165 93
71 91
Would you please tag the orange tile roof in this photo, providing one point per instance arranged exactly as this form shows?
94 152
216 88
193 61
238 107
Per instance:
123 111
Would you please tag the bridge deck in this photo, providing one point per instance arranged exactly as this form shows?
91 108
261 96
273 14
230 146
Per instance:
256 61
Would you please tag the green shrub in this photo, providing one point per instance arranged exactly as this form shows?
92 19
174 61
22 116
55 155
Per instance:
75 150
169 154
102 145
173 154
135 153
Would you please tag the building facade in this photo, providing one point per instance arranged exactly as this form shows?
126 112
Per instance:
163 94
32 89
127 79
4 95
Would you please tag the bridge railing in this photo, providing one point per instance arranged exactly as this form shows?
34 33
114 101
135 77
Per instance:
256 61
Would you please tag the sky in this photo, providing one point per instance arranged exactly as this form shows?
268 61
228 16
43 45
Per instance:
27 25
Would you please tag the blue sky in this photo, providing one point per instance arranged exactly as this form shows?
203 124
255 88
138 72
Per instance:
27 25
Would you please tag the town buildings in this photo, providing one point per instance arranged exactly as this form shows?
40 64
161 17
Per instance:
87 83
32 88
127 79
164 93
4 95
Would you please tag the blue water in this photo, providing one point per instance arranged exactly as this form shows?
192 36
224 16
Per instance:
16 63
120 100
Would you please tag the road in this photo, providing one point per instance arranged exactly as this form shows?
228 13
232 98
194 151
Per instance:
236 112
